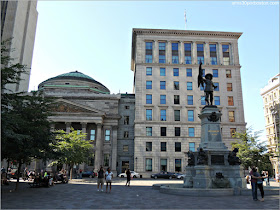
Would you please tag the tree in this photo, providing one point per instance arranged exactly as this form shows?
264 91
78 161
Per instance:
72 148
251 151
25 132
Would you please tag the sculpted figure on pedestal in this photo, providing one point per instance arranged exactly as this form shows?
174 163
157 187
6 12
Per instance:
202 157
209 86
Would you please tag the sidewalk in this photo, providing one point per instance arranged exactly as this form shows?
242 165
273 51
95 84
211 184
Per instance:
82 194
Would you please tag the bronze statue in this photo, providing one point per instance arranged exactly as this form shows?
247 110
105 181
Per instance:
202 157
233 159
190 158
209 86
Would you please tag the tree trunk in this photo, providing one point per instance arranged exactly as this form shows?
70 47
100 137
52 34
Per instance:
8 165
18 174
71 171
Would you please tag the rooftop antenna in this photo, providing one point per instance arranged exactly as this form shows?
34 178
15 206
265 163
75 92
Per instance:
185 20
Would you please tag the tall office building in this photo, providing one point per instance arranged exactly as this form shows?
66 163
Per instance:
18 21
271 101
167 99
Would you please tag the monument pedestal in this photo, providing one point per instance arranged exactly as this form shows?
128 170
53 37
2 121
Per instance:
188 180
211 138
214 171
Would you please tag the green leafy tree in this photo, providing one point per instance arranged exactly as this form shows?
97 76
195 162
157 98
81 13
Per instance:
72 148
252 152
25 129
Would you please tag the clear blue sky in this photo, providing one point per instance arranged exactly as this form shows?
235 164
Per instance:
95 38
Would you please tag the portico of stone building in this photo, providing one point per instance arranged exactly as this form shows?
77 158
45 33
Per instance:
102 134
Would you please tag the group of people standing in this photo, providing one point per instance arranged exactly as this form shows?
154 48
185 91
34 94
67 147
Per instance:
257 182
108 175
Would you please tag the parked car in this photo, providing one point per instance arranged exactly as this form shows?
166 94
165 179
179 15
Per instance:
164 175
89 174
133 174
180 176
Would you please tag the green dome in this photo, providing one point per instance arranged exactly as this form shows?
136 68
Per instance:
74 75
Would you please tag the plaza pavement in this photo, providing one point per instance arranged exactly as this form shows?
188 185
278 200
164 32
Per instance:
82 194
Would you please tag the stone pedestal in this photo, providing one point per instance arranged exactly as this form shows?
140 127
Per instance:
204 176
188 180
211 138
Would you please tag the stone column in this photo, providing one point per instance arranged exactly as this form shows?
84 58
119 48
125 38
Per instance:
206 53
181 53
84 127
194 53
155 52
231 58
68 127
114 147
235 53
98 146
168 52
220 54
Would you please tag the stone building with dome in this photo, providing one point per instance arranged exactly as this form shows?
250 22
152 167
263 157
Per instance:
87 105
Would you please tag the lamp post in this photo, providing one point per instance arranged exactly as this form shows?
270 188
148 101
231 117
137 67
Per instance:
135 169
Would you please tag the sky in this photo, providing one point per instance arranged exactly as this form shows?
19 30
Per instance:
94 37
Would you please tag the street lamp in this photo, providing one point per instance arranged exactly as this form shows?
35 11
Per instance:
135 169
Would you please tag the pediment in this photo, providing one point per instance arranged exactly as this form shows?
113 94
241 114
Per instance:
62 105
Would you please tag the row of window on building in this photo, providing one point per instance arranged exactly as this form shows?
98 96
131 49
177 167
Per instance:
176 86
187 53
177 115
177 131
272 96
107 135
163 146
149 100
163 165
176 72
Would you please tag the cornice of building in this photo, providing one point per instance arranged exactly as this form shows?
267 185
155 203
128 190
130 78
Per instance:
273 83
170 32
206 66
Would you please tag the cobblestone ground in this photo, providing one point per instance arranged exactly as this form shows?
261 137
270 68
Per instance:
140 195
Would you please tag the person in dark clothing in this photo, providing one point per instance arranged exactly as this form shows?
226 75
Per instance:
128 177
256 182
260 184
100 180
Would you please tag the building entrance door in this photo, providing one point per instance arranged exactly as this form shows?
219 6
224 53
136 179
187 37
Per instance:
125 165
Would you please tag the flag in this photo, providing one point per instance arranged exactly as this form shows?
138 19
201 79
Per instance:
185 20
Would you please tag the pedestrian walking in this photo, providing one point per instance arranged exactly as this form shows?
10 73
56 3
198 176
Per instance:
266 179
128 177
100 179
108 177
25 174
81 175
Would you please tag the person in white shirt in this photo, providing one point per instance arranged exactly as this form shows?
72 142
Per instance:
108 178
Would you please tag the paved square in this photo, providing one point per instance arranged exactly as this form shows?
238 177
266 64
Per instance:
84 195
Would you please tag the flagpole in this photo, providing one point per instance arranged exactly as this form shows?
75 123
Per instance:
185 20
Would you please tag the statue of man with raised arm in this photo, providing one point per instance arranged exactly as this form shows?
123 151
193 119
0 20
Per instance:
209 86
